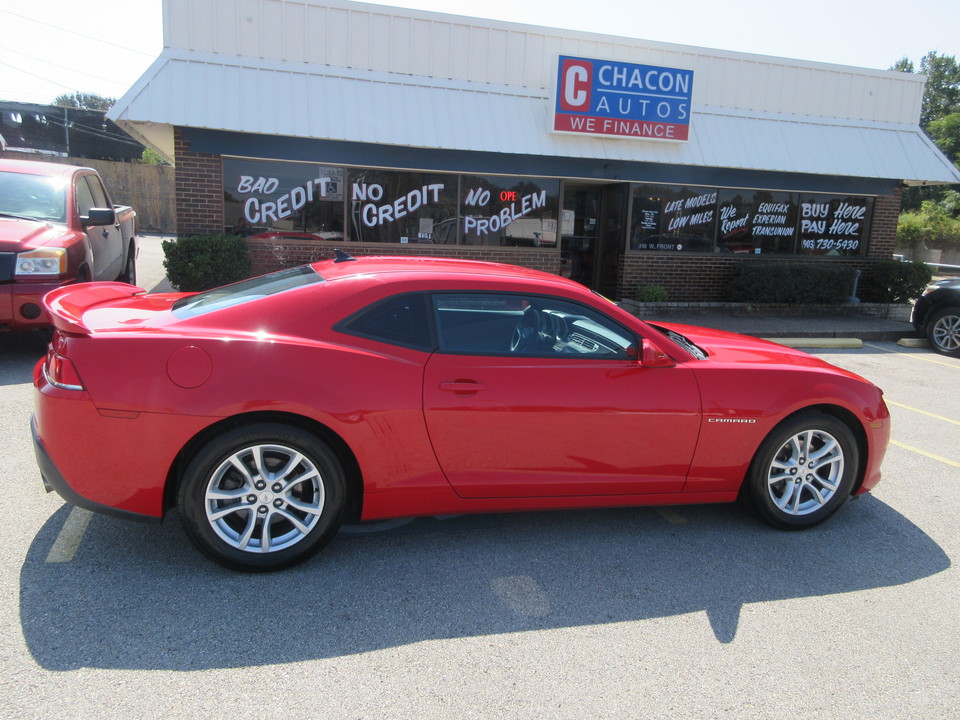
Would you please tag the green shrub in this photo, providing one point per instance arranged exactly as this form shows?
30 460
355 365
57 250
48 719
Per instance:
650 293
892 281
792 284
201 262
930 226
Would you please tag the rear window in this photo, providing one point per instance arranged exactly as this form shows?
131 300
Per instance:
245 291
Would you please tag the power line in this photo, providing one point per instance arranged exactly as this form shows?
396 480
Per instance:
38 77
62 67
74 32
74 127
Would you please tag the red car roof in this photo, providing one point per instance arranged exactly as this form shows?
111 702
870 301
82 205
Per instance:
331 269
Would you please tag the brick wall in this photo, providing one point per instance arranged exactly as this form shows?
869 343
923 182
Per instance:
883 235
268 255
704 278
199 190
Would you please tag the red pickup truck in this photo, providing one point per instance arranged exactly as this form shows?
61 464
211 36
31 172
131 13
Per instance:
57 226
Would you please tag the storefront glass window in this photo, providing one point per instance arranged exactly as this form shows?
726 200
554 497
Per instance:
283 199
673 218
299 200
402 207
757 222
834 225
509 211
730 220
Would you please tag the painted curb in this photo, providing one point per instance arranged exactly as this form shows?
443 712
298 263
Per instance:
913 342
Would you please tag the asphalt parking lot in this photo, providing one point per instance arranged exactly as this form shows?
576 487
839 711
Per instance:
692 612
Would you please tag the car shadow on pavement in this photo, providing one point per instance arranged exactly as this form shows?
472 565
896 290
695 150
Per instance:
19 352
139 597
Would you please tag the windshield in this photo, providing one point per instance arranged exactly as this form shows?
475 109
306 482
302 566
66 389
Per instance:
32 197
245 291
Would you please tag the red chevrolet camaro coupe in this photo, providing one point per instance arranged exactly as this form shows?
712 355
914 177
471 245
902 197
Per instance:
271 410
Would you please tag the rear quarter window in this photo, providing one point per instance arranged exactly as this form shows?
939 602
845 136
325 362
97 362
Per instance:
400 320
245 291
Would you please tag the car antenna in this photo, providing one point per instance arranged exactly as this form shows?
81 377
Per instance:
341 256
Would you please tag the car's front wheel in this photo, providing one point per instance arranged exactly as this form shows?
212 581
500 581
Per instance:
803 471
262 497
943 331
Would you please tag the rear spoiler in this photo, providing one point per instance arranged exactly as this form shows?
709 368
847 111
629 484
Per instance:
65 306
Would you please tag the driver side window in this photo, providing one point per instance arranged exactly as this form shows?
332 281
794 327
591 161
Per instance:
530 325
85 199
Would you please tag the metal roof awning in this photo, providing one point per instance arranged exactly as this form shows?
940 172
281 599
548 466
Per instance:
271 97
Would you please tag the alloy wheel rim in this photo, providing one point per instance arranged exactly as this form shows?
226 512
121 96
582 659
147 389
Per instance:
264 498
946 333
805 472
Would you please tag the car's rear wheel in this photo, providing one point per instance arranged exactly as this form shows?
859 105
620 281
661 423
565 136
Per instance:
803 471
943 331
262 497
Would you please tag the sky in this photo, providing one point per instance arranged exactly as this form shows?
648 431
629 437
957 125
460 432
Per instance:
52 47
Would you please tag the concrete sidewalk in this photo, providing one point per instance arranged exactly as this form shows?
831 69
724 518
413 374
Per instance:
861 327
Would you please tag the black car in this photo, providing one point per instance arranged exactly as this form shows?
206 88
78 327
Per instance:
937 316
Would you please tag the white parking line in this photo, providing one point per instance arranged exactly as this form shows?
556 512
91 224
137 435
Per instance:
938 458
67 542
921 412
916 356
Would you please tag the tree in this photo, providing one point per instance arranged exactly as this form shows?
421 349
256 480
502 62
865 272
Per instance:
942 94
904 64
945 132
152 157
84 101
930 226
940 119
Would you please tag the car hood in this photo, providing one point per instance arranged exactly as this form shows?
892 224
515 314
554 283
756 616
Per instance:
945 284
738 350
17 235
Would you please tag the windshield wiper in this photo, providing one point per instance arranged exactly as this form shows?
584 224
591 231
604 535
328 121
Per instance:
18 217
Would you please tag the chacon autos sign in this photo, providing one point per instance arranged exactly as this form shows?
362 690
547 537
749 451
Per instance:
606 97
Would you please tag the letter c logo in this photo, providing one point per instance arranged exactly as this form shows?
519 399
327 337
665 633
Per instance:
575 77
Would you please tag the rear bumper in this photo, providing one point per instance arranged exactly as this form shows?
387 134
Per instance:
54 481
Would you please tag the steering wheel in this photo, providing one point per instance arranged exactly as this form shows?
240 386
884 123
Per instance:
528 327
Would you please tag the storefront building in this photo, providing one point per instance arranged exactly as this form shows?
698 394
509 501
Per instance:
308 125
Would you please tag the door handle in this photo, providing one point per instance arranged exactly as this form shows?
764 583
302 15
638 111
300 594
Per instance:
463 387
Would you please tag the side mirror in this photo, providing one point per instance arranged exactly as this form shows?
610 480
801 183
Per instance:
99 216
652 357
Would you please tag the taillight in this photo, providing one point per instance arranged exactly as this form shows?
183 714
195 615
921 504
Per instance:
61 372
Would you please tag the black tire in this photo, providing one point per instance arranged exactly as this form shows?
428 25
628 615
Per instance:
792 490
129 274
943 331
284 505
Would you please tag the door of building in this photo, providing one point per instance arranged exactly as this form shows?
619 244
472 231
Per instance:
593 223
